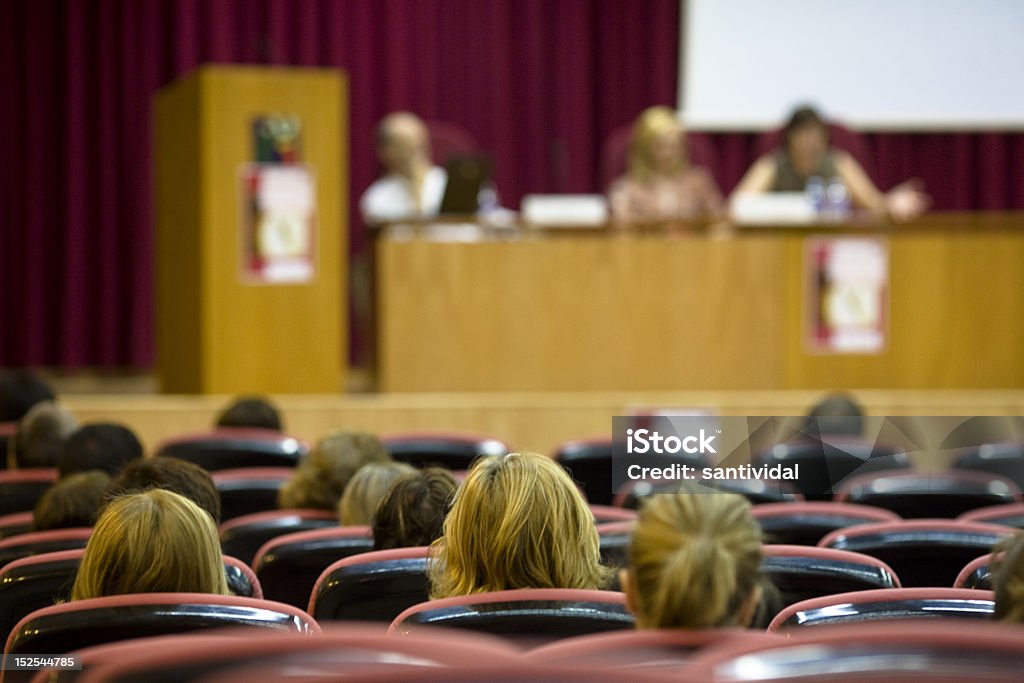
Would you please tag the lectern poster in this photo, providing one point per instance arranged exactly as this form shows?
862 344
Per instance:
277 229
847 295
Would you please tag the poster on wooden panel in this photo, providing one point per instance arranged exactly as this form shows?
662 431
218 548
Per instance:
846 300
278 223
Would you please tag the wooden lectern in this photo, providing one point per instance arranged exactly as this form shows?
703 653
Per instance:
224 325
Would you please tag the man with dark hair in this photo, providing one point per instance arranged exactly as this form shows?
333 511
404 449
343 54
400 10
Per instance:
251 412
40 437
171 474
99 446
19 391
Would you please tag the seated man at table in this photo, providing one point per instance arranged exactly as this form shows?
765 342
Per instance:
805 156
412 186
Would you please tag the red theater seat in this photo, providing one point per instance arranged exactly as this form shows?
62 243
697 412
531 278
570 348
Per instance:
641 650
615 538
825 463
38 542
1007 514
453 451
589 463
374 586
15 523
288 566
605 514
74 625
243 536
802 572
229 448
1005 458
261 656
757 491
39 581
887 604
20 490
977 573
931 650
923 552
926 495
248 490
806 523
535 615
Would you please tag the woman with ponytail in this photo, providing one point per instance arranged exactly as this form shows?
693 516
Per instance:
695 562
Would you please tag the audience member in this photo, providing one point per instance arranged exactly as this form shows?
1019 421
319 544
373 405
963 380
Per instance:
151 542
517 521
1008 579
40 437
413 511
171 474
254 412
805 154
695 562
321 477
19 391
99 446
71 502
661 184
412 186
367 488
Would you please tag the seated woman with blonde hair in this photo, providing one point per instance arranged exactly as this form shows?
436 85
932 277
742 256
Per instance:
695 562
368 487
151 542
661 185
517 521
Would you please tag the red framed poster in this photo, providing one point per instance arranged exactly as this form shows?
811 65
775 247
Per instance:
278 224
846 294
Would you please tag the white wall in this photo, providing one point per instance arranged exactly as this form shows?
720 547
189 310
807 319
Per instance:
876 64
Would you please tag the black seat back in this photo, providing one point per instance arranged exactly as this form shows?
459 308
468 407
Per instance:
288 566
226 448
243 536
375 586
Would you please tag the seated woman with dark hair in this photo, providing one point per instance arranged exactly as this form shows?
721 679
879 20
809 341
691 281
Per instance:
695 562
171 474
805 154
413 511
151 542
517 521
71 502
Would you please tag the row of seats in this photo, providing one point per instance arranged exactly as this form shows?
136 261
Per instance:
554 624
249 466
334 577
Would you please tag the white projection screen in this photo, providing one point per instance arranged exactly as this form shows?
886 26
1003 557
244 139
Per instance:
875 64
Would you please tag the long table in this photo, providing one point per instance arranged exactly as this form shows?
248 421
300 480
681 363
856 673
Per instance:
597 312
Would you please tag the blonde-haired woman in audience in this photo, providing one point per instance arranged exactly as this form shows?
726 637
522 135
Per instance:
517 521
322 476
1008 579
695 562
661 185
152 542
367 488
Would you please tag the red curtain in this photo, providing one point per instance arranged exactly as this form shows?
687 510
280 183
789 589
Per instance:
539 83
